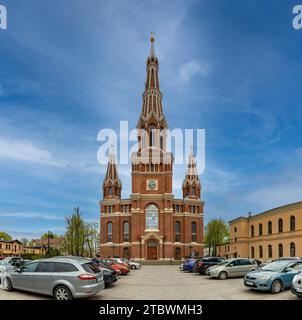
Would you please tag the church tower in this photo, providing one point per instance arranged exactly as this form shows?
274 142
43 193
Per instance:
151 224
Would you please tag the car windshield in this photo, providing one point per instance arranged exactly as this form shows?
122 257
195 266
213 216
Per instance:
90 267
275 266
5 264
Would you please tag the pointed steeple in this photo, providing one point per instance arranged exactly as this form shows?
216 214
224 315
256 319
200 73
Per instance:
191 185
112 185
152 110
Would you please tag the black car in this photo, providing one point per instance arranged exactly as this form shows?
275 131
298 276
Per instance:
110 275
202 264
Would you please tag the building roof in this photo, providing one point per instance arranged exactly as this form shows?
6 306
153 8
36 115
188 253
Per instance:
271 211
10 241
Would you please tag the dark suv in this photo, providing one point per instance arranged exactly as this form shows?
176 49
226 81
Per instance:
202 264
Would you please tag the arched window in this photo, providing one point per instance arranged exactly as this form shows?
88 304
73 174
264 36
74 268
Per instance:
194 231
188 191
152 136
252 231
292 223
161 142
292 249
126 253
269 227
177 254
280 225
280 250
177 231
252 252
110 191
260 227
260 252
109 232
270 251
126 231
193 191
152 217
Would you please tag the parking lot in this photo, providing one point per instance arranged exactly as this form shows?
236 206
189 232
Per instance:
167 282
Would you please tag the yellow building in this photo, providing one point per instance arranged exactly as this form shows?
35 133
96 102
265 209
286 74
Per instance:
11 248
268 235
40 250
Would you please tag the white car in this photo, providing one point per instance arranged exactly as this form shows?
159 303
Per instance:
297 285
5 267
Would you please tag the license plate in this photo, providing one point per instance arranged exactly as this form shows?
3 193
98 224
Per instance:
249 283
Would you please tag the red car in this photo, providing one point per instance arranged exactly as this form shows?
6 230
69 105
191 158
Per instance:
116 266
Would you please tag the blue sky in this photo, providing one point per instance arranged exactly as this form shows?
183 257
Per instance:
71 68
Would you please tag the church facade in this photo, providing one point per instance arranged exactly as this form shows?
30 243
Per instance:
151 224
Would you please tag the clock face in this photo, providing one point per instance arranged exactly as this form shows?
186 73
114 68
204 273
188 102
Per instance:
151 184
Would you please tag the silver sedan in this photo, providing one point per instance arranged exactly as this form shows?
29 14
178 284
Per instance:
62 278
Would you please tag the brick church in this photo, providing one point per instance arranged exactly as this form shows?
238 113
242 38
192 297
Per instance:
151 224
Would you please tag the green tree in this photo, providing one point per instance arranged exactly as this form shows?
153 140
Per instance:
75 233
216 233
45 236
5 236
80 237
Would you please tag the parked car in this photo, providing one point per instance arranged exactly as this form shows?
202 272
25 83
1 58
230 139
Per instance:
133 264
117 266
296 287
275 276
15 261
278 259
236 267
189 265
5 267
63 278
121 261
110 275
202 264
181 266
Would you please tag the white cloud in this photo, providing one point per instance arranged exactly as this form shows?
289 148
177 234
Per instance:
192 68
32 215
26 151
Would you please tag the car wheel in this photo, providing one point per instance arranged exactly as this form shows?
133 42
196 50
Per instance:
133 267
222 275
7 284
276 286
62 293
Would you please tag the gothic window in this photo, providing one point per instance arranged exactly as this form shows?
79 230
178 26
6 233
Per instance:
152 217
280 225
187 192
269 227
161 142
126 231
110 191
109 232
193 209
292 249
292 223
177 231
109 209
193 191
194 231
152 136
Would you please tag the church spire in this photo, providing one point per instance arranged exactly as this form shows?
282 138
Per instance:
191 185
152 51
152 110
112 185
